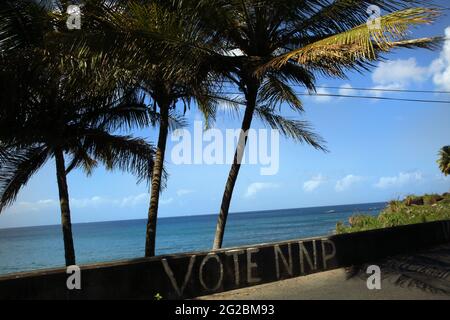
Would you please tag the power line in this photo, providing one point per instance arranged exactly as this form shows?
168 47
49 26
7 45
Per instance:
372 97
360 97
374 89
383 90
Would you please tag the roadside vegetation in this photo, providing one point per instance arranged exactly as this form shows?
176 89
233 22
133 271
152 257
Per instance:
412 209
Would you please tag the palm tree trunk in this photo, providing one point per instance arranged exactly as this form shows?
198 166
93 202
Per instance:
150 238
235 167
65 208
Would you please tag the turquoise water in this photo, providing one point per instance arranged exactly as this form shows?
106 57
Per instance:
23 249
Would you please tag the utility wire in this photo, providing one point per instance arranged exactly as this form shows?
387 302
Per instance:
360 97
373 89
372 97
381 90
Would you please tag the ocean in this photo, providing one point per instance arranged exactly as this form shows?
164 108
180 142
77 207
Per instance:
24 249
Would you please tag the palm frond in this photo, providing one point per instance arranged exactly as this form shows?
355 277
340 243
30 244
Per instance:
132 155
17 169
176 121
275 92
22 23
5 153
230 104
80 158
296 74
208 108
126 115
299 131
353 48
330 17
444 160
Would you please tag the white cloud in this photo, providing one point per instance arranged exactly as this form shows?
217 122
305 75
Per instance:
391 86
401 179
399 72
314 183
25 206
440 68
347 89
256 187
183 192
322 99
318 98
346 182
135 200
93 202
97 201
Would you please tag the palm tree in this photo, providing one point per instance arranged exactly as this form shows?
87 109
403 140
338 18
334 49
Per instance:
68 126
48 111
74 132
444 160
161 69
269 46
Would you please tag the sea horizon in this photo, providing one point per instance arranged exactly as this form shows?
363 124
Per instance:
41 247
199 214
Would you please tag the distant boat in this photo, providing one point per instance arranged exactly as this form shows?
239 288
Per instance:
331 211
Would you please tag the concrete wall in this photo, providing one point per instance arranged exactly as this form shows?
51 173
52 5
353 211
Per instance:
195 274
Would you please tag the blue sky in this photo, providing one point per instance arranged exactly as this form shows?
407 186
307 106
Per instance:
379 150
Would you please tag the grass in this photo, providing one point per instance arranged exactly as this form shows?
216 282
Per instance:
413 209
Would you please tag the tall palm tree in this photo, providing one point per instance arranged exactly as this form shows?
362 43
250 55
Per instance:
165 92
150 32
269 46
174 78
50 111
444 160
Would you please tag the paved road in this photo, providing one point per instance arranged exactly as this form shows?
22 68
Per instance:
423 276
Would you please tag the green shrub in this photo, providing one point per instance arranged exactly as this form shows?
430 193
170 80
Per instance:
434 207
358 223
395 205
430 199
413 200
